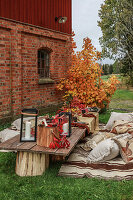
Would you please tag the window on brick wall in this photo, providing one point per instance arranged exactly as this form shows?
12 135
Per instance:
43 63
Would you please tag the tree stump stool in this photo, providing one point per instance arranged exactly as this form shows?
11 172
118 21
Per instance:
31 164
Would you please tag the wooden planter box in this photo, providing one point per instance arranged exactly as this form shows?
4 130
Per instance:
45 135
93 122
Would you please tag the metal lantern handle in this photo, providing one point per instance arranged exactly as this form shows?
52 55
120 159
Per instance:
29 114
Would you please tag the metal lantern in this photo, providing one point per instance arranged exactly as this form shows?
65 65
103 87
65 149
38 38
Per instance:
28 129
65 119
90 109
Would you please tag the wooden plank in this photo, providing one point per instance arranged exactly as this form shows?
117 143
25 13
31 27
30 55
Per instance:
15 144
40 149
8 143
26 146
75 137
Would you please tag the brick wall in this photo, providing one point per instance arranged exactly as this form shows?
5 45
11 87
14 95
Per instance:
19 81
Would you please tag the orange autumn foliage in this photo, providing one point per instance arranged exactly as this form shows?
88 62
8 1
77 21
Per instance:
83 84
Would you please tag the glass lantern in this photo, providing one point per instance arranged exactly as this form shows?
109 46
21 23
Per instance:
28 130
65 119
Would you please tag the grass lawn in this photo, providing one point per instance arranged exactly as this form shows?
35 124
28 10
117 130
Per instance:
50 187
106 77
122 101
123 95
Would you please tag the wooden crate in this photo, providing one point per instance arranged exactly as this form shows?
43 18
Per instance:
45 135
93 122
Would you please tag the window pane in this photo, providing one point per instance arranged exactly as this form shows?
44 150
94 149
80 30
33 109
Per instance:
43 63
42 54
47 65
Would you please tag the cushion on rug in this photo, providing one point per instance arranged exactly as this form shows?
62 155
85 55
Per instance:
126 147
121 126
7 134
97 138
105 150
121 116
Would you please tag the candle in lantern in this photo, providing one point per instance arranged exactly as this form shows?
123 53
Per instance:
45 123
65 128
27 130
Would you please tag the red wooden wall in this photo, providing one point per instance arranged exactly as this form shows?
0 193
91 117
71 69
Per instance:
38 12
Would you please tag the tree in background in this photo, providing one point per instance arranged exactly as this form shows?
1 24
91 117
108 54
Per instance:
83 85
116 67
116 22
105 69
110 69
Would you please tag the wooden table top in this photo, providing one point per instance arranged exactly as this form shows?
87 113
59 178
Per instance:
14 144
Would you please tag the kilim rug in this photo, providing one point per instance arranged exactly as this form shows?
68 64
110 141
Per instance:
76 166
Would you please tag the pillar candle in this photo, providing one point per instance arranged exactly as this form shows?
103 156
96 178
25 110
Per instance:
45 123
65 128
27 130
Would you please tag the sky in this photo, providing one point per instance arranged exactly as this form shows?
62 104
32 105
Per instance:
84 23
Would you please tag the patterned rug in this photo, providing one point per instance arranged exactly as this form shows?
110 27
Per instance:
76 166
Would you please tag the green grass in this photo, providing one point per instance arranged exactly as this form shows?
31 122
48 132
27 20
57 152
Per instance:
122 101
123 95
106 77
3 126
49 186
104 117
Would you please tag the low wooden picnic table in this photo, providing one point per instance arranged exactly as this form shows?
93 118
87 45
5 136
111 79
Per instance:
33 160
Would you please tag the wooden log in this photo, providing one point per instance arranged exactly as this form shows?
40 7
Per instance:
45 135
31 164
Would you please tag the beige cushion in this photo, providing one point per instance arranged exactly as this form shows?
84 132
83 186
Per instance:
105 150
92 142
126 147
118 116
7 134
121 126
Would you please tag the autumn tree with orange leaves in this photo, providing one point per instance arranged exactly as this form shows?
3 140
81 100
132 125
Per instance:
83 85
